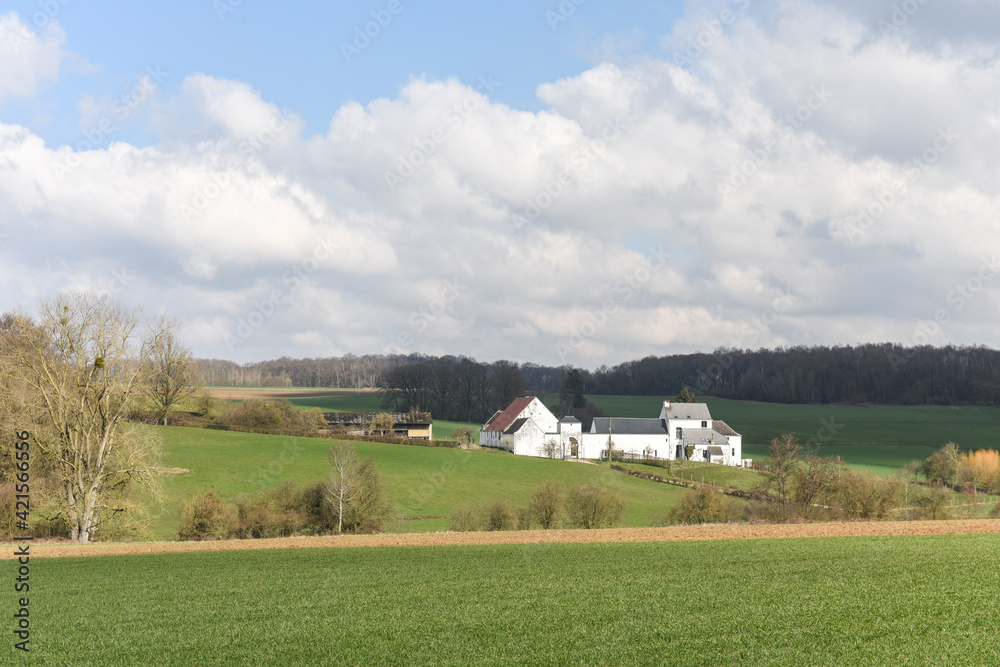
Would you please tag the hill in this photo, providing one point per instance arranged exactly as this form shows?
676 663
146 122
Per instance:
424 484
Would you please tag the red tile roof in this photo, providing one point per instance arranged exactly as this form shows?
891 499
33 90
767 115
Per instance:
501 421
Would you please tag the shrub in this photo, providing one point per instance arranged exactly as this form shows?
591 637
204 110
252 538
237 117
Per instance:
524 518
318 514
934 504
367 508
500 516
982 467
867 496
207 517
995 512
464 435
594 506
547 504
274 416
705 506
463 520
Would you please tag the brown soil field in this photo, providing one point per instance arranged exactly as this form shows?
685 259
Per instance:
237 394
668 534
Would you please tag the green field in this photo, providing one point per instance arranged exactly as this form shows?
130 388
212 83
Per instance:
841 601
425 484
879 439
342 401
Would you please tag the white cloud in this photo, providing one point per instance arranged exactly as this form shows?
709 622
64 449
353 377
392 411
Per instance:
397 229
28 58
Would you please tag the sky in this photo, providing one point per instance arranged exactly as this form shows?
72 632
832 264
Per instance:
562 182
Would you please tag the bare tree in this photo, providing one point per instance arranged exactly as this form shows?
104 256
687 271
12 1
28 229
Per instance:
174 373
85 359
782 462
344 478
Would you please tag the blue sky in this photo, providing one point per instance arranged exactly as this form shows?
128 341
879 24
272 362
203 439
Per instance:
294 53
489 180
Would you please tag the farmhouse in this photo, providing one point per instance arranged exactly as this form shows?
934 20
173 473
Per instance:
415 425
683 432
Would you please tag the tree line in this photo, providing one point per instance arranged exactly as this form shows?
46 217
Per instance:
465 389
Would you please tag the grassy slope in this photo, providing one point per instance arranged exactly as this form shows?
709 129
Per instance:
847 601
879 439
421 481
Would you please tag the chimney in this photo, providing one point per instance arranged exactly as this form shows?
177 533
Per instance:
666 404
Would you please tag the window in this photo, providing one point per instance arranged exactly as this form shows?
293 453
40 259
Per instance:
704 424
680 432
734 452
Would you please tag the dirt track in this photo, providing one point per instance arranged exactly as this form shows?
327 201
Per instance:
669 534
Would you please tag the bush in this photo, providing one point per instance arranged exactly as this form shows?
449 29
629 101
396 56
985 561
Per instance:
367 509
524 518
463 520
464 435
705 506
500 516
995 512
865 496
274 416
207 517
594 506
934 504
547 504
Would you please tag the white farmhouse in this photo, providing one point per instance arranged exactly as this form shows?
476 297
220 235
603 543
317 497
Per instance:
684 431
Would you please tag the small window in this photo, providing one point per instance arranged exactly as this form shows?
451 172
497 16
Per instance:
734 452
704 424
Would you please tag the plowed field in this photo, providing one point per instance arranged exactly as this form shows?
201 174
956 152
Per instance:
668 534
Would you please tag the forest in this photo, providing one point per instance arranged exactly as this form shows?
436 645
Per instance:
464 389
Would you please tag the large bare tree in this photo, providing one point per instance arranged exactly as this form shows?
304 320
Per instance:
174 374
85 358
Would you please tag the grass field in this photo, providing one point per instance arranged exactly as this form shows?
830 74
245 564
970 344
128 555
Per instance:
820 601
425 484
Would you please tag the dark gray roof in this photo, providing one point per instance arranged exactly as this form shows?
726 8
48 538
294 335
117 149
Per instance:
569 419
715 450
723 428
689 411
516 425
628 426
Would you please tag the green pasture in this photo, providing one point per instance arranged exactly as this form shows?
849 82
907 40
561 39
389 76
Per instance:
827 601
425 484
342 401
